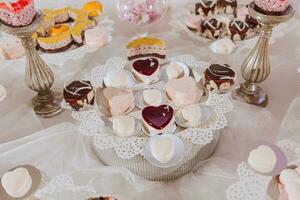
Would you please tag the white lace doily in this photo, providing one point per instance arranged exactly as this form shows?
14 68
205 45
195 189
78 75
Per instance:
253 186
127 148
64 183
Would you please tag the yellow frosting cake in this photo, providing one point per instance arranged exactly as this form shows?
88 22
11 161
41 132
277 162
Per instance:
146 47
59 15
93 8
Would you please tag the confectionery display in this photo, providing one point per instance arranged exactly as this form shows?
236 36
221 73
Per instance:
96 37
146 47
117 101
20 182
17 13
146 70
219 78
79 94
272 7
124 126
157 120
214 19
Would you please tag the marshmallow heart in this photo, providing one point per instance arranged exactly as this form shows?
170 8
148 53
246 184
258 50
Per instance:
17 183
152 97
263 159
163 150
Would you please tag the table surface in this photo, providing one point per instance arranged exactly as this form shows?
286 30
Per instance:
247 123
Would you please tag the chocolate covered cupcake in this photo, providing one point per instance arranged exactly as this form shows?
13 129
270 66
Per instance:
227 6
212 28
206 7
79 94
238 30
219 78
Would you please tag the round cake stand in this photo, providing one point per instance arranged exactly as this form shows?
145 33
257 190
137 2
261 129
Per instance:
256 67
38 76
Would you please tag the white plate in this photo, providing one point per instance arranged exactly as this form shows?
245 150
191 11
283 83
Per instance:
206 117
178 155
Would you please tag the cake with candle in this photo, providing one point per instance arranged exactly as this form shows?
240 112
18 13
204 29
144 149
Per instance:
238 29
17 13
272 7
146 47
79 94
212 28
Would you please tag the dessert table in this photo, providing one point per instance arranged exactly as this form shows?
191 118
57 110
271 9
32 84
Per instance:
57 148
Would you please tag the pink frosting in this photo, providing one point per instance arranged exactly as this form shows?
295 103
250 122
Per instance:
272 5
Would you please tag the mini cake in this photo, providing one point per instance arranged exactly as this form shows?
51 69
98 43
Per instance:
219 78
17 13
96 37
272 7
289 183
227 6
59 15
124 126
93 8
117 101
146 47
78 28
163 150
79 94
175 70
183 91
157 120
206 7
212 28
193 22
238 30
146 70
192 115
152 97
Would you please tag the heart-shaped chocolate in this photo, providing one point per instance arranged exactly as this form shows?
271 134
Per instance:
158 117
146 67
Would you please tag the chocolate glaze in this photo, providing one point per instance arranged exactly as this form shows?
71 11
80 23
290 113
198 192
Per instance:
253 23
73 99
216 72
156 55
204 26
285 12
235 31
146 67
211 6
222 4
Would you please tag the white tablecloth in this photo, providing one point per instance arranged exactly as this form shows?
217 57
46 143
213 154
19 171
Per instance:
60 149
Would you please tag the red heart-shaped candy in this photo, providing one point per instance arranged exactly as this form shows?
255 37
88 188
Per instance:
158 117
146 67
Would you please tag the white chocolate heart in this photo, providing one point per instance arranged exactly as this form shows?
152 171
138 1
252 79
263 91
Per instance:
263 159
192 114
17 183
163 150
124 126
152 97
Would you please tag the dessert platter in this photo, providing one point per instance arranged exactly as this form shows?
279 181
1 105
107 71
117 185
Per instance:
158 117
272 172
209 20
66 33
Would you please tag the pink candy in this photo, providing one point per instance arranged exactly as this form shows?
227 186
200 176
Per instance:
272 5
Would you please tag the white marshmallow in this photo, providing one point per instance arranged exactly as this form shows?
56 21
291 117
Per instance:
96 37
263 159
124 126
223 46
117 79
174 70
152 97
17 183
163 150
288 175
192 114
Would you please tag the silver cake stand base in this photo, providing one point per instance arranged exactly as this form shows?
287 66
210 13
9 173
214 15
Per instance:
38 76
256 67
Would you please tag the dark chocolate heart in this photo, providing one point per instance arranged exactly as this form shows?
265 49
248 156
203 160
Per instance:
146 67
158 117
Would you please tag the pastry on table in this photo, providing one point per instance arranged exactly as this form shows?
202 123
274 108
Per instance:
272 7
93 8
78 29
146 47
212 28
193 22
157 120
17 13
206 7
191 114
96 37
238 29
183 91
219 78
146 70
123 125
59 15
227 6
117 101
79 94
